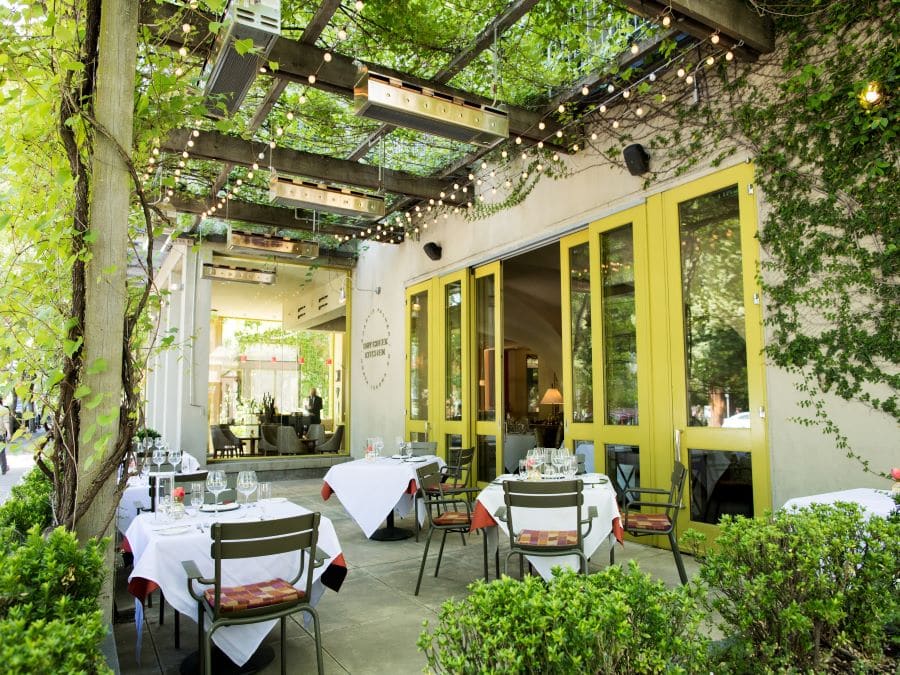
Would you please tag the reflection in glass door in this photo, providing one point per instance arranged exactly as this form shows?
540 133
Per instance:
717 373
419 365
488 365
455 376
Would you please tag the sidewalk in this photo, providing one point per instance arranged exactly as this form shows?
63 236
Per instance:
20 458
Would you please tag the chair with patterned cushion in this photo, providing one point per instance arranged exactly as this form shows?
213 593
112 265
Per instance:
641 517
219 605
567 498
444 512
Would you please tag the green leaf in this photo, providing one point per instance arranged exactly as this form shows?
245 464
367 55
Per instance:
243 46
81 391
97 366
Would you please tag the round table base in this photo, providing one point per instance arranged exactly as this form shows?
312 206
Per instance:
391 533
222 665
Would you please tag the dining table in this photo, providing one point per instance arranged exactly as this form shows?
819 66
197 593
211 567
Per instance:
160 544
598 492
373 488
873 502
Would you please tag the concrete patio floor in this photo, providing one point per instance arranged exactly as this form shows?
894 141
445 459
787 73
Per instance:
372 624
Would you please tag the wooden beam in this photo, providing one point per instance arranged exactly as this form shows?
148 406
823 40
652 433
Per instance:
215 146
463 58
319 21
261 214
699 18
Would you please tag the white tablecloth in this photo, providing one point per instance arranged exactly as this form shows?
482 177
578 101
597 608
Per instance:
158 556
601 496
873 502
137 494
370 489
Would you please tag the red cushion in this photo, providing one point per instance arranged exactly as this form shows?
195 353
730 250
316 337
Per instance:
648 521
548 538
252 596
452 518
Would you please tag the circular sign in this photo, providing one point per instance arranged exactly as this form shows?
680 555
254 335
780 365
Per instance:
376 353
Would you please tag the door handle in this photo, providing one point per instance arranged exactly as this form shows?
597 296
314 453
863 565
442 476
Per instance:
677 446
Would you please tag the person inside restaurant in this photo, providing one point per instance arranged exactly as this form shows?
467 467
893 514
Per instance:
313 407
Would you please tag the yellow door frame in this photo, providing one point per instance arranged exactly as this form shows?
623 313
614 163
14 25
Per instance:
444 426
422 427
488 427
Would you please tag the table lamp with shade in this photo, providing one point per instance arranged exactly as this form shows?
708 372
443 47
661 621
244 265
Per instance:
553 397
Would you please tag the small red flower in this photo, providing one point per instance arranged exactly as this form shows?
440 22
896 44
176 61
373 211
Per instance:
895 473
178 494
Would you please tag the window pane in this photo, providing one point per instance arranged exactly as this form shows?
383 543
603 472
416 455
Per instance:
453 358
582 358
418 356
712 291
484 326
486 454
721 483
619 326
623 466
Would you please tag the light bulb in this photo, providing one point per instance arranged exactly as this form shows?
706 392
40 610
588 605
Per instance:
540 144
615 124
302 99
518 140
639 111
196 133
610 88
634 48
561 108
667 21
555 157
652 77
359 5
559 133
626 93
290 116
182 52
585 91
594 136
483 165
190 144
342 34
261 155
541 126
311 79
575 148
186 27
540 167
680 72
262 69
326 57
272 144
255 166
602 108
249 175
184 154
503 154
714 38
729 56
689 79
710 60
178 72
279 131
156 151
239 181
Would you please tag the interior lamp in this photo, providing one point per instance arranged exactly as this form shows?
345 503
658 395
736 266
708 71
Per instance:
553 397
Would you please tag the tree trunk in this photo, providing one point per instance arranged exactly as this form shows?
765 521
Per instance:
105 281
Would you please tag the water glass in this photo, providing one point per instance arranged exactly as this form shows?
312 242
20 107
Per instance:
196 496
523 469
263 495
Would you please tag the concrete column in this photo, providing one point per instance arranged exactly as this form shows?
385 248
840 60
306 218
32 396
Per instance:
194 367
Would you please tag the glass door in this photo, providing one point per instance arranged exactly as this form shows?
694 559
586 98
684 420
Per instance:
487 386
715 322
454 375
623 417
420 357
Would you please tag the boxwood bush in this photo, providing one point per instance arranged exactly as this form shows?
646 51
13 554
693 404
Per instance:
807 591
617 621
49 614
29 503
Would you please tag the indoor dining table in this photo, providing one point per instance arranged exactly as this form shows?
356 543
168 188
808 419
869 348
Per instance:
160 545
598 492
372 489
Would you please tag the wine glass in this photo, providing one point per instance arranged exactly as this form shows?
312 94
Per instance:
175 458
558 458
215 483
246 484
401 446
158 458
379 447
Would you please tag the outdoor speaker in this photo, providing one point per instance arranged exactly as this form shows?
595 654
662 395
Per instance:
636 159
433 250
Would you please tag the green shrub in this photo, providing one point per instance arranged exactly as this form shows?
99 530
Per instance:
616 621
809 591
52 577
29 503
56 646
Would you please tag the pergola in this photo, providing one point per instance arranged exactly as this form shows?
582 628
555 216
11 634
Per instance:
216 170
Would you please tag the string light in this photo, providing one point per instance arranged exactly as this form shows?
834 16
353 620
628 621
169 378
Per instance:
714 38
634 48
585 91
311 79
342 34
729 56
667 21
326 57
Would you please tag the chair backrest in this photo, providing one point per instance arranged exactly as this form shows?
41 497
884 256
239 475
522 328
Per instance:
265 538
189 478
429 478
679 473
424 447
315 432
561 494
219 439
229 434
333 444
459 465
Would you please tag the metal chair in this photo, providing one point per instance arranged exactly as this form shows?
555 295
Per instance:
264 600
640 523
444 512
458 471
420 448
567 494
